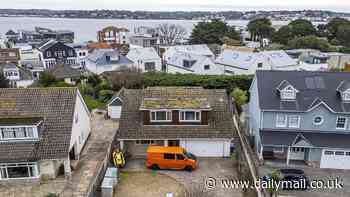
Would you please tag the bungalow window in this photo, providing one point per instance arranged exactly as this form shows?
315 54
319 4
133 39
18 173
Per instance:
144 142
191 116
207 67
294 121
13 133
161 116
18 170
341 122
281 120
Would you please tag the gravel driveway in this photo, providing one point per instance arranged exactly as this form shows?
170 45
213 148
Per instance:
217 168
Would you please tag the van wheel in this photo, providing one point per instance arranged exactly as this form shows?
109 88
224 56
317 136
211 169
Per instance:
188 168
155 167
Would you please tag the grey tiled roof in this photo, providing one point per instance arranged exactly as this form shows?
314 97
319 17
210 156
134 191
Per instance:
311 86
65 71
317 139
219 118
55 106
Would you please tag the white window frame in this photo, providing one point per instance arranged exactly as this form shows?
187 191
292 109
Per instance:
345 123
322 120
288 93
4 168
346 96
195 116
285 120
148 142
34 129
290 117
168 116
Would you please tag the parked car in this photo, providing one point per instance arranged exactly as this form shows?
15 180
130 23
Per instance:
290 179
160 157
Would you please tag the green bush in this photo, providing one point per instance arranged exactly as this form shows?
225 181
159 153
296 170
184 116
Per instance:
92 103
206 81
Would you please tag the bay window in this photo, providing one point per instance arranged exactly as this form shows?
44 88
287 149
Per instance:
341 122
281 120
190 116
294 121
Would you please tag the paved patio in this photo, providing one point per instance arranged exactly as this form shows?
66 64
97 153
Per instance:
218 168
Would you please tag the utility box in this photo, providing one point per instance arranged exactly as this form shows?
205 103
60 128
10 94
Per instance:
107 187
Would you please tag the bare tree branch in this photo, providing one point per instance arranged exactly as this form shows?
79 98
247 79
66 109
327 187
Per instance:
171 34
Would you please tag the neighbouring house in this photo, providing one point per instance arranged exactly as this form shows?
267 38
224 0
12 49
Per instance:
39 35
67 73
9 55
114 106
197 119
82 52
103 60
246 63
53 52
144 41
18 77
41 131
191 63
312 58
302 116
197 49
113 35
145 59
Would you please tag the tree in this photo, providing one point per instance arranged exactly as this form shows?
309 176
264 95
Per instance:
47 79
240 96
260 28
309 42
212 32
4 83
343 35
333 26
283 35
302 27
171 34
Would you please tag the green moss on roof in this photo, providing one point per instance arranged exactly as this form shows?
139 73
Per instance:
188 103
20 121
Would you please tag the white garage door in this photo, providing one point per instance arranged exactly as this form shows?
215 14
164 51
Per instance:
335 159
114 111
207 148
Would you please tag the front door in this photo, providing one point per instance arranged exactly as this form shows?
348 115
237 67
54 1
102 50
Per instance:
297 153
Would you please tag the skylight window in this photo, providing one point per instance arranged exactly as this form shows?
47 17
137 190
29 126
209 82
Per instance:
289 93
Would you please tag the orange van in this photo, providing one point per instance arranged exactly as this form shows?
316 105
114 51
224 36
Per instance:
161 157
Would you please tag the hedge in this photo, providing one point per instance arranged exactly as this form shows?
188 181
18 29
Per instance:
207 81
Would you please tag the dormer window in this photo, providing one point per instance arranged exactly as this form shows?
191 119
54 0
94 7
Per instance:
18 132
190 116
161 116
344 91
288 93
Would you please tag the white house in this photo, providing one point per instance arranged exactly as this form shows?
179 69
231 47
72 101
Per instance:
103 60
191 63
17 76
145 59
246 63
34 144
199 49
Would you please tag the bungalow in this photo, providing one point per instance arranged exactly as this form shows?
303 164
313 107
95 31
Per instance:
41 131
67 73
197 119
104 60
145 59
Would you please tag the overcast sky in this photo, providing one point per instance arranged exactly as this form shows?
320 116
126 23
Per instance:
186 5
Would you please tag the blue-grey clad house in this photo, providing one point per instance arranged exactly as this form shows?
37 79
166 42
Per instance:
302 116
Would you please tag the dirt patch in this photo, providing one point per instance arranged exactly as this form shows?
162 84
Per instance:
147 184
